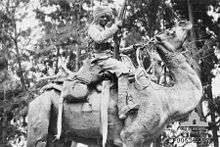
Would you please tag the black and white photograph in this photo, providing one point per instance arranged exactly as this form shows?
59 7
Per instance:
109 73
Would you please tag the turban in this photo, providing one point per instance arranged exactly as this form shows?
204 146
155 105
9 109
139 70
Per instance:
102 10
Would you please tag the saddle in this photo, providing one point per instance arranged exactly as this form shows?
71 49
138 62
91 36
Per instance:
86 80
77 88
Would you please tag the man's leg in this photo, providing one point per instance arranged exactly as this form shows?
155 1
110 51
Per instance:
122 95
122 72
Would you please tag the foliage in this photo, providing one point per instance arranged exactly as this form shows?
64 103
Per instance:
65 30
59 37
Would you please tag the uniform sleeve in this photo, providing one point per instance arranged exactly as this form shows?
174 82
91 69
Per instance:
101 35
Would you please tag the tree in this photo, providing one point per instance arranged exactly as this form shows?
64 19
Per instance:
65 30
11 36
14 42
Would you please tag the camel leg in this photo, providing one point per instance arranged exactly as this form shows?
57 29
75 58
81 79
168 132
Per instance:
139 131
94 145
41 144
148 144
74 144
38 120
113 145
107 145
133 144
59 144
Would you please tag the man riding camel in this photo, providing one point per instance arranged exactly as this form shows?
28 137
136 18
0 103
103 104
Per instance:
101 32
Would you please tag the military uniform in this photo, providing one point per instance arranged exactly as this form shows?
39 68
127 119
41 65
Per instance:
101 36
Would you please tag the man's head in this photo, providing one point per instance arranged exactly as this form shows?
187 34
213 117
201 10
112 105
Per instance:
102 14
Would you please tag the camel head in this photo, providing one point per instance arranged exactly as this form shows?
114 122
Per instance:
173 38
170 41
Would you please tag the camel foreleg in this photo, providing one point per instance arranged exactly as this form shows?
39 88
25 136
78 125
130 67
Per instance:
39 119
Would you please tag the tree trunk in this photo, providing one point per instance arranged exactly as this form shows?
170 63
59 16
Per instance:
153 8
18 56
15 39
19 62
78 44
218 37
194 48
213 126
77 57
157 142
73 144
3 129
57 60
192 31
116 45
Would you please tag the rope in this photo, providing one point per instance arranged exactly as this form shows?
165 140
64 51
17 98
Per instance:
139 74
140 70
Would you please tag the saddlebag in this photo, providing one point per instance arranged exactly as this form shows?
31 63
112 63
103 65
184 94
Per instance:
74 91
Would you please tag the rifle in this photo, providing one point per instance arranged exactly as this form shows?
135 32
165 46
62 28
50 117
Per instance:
121 13
116 38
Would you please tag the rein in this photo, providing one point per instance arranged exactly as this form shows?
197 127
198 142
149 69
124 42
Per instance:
140 70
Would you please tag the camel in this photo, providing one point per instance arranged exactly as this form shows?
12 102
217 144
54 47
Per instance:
157 105
163 105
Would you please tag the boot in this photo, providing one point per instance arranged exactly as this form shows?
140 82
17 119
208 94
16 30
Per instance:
123 107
